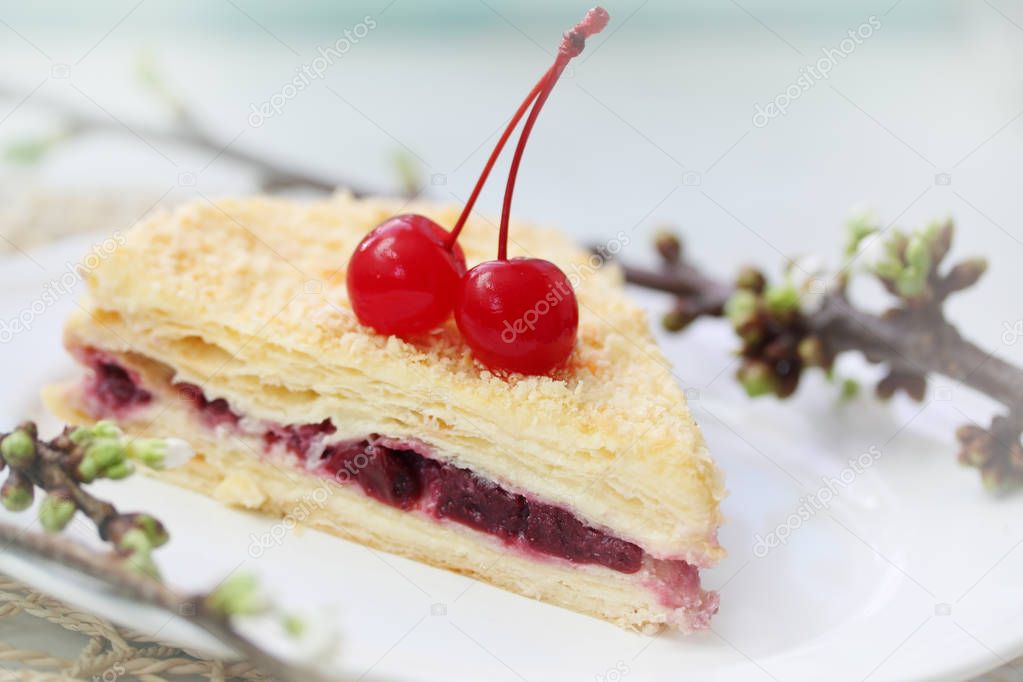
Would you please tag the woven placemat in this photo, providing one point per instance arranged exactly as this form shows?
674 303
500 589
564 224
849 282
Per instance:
107 652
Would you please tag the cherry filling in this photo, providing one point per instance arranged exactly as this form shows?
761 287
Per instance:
298 439
396 473
214 412
114 388
408 480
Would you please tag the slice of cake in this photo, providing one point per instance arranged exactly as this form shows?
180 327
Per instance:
229 325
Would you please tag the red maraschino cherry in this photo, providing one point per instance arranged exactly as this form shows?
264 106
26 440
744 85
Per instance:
396 297
521 314
403 277
400 276
518 315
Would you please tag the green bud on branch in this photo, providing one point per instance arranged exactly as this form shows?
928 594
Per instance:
858 229
143 564
56 511
107 429
106 452
758 379
17 492
741 308
781 300
850 389
150 451
751 279
294 626
668 246
119 471
153 529
812 352
81 435
88 469
965 274
18 449
135 540
239 595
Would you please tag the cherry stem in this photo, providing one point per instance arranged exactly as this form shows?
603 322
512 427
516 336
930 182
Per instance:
530 98
571 46
502 240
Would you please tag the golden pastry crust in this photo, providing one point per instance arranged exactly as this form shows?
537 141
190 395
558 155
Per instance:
247 299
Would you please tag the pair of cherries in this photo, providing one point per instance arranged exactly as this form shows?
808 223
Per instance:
408 274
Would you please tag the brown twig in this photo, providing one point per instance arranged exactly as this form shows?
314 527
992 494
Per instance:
933 347
781 337
275 176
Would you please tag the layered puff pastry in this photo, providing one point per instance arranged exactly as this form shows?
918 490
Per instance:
228 325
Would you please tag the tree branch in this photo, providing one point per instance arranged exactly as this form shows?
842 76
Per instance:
781 334
275 176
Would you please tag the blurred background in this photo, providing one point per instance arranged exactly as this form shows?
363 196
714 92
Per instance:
757 127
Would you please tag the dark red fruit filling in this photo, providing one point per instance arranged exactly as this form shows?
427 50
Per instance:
389 476
298 439
403 478
407 480
556 531
214 412
113 386
480 504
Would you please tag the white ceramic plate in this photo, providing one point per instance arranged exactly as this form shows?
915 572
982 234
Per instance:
898 566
